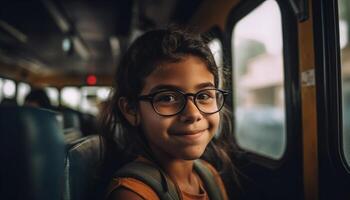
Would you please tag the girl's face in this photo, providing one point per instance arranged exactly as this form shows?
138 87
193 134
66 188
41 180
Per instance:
185 135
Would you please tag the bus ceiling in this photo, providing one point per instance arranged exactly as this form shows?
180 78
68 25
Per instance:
55 42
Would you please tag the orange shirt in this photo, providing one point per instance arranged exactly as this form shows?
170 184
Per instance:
147 193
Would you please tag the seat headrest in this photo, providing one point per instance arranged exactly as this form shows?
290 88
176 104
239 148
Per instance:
31 154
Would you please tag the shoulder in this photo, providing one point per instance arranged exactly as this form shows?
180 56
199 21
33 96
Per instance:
127 181
129 188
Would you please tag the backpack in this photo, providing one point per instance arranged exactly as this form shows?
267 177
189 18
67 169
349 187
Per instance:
161 183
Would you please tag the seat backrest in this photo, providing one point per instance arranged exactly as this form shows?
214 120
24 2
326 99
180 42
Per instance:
31 153
83 162
89 124
86 123
89 168
71 135
70 118
71 124
8 102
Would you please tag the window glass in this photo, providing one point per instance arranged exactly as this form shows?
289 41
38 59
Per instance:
71 97
1 90
344 33
9 88
259 82
53 95
215 46
23 90
85 99
92 98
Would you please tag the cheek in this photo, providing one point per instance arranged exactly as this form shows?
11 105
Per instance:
152 124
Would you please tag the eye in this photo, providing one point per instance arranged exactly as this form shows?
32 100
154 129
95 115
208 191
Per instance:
167 97
205 95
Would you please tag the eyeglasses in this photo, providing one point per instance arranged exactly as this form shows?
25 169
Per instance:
172 102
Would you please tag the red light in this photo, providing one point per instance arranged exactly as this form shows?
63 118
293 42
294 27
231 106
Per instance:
91 80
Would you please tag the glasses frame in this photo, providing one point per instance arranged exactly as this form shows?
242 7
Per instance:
150 99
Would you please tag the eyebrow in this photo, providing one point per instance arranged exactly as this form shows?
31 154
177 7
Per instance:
173 87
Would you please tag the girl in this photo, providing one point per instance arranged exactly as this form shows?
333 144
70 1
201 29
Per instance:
167 105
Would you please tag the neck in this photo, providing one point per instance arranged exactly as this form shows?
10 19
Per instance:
180 171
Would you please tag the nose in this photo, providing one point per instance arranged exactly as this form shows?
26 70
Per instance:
190 113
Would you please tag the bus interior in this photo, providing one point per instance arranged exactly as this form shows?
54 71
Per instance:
290 98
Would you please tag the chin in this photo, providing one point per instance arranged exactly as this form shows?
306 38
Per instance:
191 154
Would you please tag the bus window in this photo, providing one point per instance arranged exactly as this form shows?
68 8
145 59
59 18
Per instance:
1 90
103 93
344 32
215 46
8 89
259 82
53 95
70 97
92 97
23 90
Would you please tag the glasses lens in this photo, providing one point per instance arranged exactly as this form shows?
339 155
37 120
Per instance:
168 102
210 101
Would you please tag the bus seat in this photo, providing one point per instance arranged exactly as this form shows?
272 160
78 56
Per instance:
89 168
83 162
85 122
89 124
8 102
71 125
32 154
71 119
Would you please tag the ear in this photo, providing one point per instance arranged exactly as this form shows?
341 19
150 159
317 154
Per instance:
128 111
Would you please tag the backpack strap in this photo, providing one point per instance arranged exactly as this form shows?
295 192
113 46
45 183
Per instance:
162 185
152 176
212 187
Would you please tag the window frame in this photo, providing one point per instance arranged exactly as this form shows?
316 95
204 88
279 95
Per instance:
216 33
329 86
291 80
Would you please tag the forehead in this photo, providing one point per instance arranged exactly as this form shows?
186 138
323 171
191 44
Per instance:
186 74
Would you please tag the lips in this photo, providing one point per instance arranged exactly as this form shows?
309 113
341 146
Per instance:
190 135
189 132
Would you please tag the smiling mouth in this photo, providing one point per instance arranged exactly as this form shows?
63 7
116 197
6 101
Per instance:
190 134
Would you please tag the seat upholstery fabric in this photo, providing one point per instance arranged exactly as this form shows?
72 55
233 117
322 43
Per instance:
82 168
31 153
71 125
